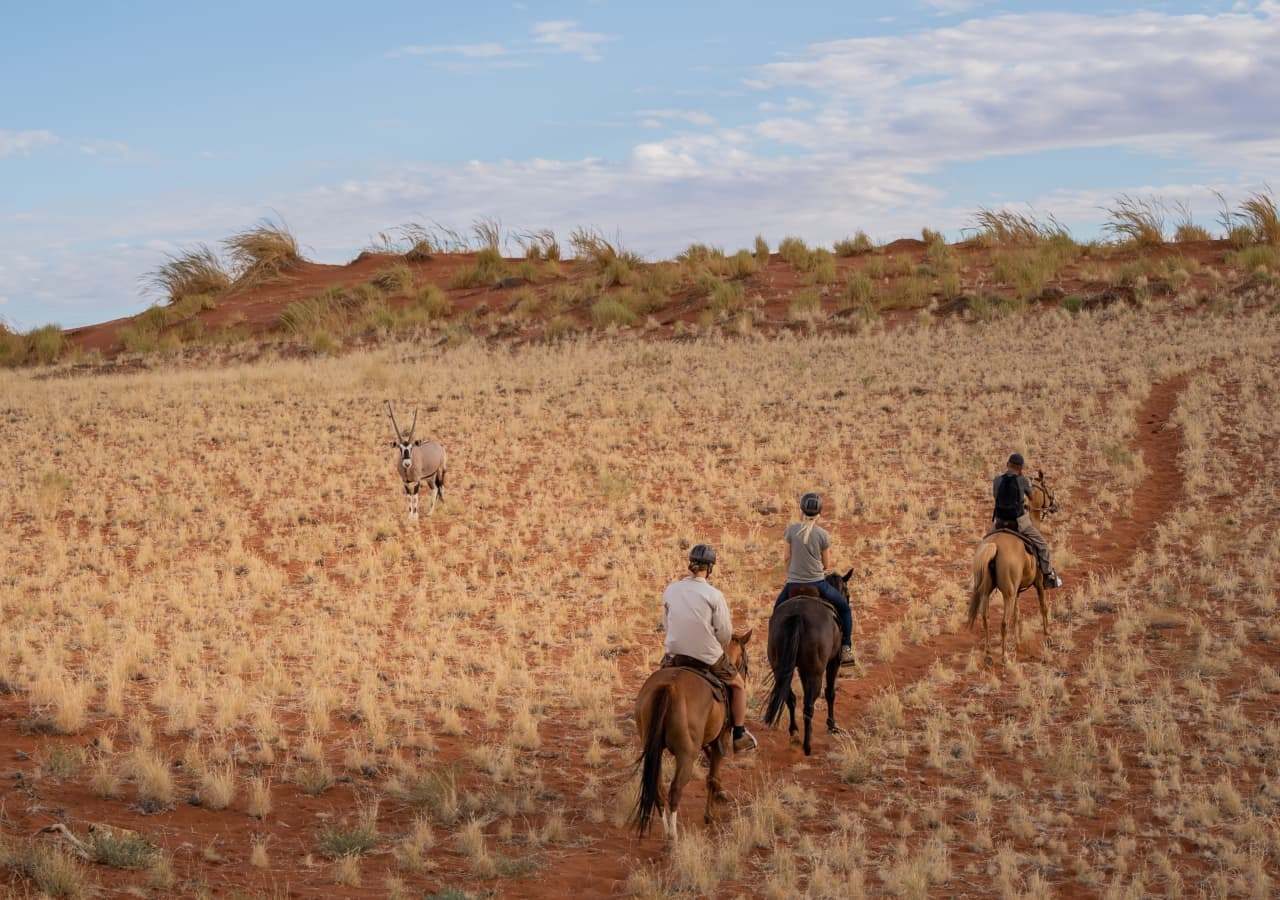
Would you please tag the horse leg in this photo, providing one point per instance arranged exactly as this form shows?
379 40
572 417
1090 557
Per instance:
1044 612
684 771
791 708
986 628
715 792
811 685
833 670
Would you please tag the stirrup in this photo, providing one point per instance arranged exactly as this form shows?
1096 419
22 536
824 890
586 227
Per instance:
746 743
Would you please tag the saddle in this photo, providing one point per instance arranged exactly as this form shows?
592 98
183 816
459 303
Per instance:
1000 528
719 691
795 591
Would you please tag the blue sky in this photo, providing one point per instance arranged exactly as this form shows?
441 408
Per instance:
128 130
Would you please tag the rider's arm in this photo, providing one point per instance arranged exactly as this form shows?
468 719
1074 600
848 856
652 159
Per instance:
826 564
721 624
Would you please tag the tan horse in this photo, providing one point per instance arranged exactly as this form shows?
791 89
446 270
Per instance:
1003 563
676 711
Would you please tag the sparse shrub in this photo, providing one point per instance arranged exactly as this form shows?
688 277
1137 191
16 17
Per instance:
762 250
592 246
931 237
726 296
265 250
1004 227
558 327
854 246
120 849
335 841
616 271
806 305
610 310
539 245
795 252
858 290
433 302
741 265
1187 231
1136 220
1259 214
54 872
911 292
1073 303
488 234
395 279
488 270
822 267
46 343
1251 259
194 271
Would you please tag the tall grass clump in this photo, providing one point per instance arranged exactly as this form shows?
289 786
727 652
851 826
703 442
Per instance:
540 244
263 251
795 252
488 270
1258 213
590 245
610 310
45 344
396 279
488 233
190 273
54 872
761 251
857 245
433 302
1186 230
1006 227
1136 220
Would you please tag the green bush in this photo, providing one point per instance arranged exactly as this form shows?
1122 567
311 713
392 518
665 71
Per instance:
45 343
762 250
727 296
911 292
396 279
610 310
854 246
795 252
821 267
858 289
806 305
433 302
488 270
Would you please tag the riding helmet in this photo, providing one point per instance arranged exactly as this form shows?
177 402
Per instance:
702 555
810 504
1016 459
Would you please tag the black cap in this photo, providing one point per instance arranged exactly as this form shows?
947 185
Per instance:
702 555
1016 460
811 504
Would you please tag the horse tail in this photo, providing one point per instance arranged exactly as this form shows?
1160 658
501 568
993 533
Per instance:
788 652
984 578
650 761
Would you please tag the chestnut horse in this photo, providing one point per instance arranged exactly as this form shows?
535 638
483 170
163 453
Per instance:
677 711
1004 563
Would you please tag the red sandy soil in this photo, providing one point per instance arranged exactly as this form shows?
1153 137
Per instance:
255 309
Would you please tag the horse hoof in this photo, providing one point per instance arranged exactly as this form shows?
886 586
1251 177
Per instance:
834 729
720 797
795 739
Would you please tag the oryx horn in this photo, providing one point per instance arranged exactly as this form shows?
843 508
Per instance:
391 413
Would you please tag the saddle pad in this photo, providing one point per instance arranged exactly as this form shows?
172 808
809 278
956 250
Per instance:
718 689
812 594
1031 548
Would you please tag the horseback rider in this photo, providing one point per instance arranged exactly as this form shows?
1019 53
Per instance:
806 562
1010 489
698 628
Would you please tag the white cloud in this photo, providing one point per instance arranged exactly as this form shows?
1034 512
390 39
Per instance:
564 36
1004 84
657 118
21 143
953 7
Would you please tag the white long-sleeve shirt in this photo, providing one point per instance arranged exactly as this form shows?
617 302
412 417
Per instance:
696 618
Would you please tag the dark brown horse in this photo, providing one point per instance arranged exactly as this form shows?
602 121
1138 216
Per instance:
805 636
676 711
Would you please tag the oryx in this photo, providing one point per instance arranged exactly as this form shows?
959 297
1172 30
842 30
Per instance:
418 462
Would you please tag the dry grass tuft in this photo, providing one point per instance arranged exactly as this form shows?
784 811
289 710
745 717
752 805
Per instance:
191 273
263 251
1136 220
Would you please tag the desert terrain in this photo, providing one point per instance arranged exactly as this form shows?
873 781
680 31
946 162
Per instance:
232 667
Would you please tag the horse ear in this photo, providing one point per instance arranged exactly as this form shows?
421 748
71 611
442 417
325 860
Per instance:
1040 474
847 576
745 637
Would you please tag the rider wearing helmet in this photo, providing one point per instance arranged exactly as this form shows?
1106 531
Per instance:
1010 489
698 628
806 561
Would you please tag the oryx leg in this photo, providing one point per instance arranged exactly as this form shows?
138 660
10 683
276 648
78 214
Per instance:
435 492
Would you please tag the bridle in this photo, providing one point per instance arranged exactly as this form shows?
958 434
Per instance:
1051 502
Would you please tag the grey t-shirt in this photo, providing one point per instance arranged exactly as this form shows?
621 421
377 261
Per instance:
806 556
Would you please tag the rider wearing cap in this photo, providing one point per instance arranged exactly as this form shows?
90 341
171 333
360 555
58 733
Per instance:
1010 489
698 629
806 561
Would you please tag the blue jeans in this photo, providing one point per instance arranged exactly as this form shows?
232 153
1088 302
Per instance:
832 596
